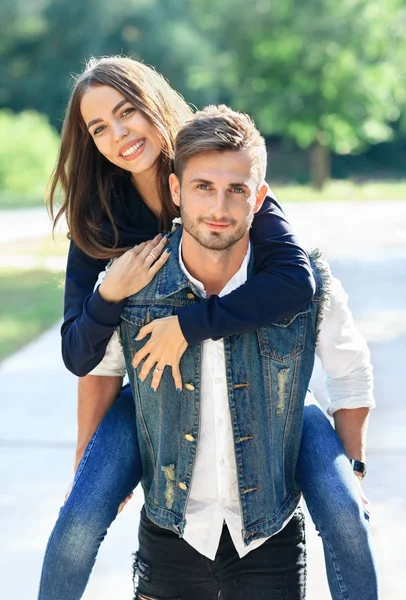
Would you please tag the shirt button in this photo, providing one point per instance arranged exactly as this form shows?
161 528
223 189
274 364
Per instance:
189 386
182 486
190 296
222 462
189 437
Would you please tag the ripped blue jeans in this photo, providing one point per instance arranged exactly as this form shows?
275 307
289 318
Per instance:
111 468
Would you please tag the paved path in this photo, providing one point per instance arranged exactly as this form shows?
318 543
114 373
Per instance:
37 417
20 224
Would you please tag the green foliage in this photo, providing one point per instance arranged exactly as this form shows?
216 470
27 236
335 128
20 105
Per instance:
317 70
320 70
28 150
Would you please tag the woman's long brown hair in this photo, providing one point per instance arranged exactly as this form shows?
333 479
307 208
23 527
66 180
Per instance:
86 176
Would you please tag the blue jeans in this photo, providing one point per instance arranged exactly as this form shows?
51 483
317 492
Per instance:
108 472
330 490
110 469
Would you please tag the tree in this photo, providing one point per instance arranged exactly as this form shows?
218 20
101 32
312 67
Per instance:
46 42
322 73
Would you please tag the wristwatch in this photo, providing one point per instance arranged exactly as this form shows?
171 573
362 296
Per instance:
359 467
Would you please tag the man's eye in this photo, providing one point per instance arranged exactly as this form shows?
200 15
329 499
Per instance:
237 190
203 186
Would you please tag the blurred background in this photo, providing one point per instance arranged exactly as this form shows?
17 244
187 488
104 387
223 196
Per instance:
326 84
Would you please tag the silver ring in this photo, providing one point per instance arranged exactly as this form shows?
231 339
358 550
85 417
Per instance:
150 254
159 370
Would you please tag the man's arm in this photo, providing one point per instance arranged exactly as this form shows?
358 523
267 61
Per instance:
96 394
351 426
346 362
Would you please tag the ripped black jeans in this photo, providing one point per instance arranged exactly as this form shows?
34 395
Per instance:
168 568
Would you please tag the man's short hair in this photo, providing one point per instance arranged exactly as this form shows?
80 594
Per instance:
220 129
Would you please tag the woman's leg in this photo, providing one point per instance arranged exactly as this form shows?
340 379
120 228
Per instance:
330 489
108 472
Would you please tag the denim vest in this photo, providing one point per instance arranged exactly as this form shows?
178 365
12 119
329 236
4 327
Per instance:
268 373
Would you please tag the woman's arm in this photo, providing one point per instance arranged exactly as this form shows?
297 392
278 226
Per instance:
92 316
283 284
89 321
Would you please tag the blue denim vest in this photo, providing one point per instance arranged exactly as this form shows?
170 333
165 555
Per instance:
268 373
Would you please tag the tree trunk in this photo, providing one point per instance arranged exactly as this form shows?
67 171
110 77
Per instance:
320 164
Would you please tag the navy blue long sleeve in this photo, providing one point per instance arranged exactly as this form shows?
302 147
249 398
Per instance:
282 286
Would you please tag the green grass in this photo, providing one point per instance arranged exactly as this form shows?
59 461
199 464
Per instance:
30 302
31 298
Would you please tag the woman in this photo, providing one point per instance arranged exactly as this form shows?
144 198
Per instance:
116 155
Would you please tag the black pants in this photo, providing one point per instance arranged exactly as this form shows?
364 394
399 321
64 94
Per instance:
168 568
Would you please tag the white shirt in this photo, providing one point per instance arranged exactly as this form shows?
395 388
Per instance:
213 497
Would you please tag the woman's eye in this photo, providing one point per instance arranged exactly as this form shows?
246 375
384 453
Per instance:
127 111
98 130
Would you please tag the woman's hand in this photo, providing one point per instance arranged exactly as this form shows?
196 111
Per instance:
132 271
164 348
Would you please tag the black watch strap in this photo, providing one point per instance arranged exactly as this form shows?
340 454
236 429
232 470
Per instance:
359 466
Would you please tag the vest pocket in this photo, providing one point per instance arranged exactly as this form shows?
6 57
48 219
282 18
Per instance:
285 340
143 314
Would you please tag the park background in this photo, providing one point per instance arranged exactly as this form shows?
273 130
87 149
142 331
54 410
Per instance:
326 85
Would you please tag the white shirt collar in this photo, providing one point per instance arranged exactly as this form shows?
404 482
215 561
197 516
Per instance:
236 280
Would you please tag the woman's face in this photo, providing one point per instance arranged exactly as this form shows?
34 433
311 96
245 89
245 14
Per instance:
120 131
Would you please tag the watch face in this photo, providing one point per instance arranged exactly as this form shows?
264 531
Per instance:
359 466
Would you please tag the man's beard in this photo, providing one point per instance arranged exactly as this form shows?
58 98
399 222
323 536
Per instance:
214 240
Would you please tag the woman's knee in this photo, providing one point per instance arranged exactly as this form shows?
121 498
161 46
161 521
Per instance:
78 533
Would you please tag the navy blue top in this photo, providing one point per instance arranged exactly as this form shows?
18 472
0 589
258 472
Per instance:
283 285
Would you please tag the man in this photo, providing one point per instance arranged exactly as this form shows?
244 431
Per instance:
219 458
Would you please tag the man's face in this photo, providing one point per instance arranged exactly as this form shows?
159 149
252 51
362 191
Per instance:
217 197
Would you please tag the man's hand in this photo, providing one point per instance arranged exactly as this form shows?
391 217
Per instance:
164 348
120 508
364 499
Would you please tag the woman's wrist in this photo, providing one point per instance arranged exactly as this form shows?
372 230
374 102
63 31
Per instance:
108 295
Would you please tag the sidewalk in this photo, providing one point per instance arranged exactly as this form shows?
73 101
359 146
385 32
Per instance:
38 420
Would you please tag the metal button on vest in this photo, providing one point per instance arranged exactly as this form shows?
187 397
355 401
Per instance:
189 437
189 386
182 485
190 296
